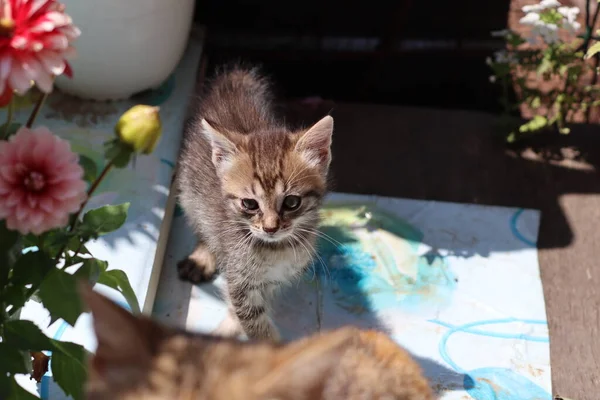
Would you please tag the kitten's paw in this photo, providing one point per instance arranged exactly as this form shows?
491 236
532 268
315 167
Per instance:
198 267
229 327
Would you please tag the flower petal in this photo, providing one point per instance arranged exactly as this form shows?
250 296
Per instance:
52 62
18 80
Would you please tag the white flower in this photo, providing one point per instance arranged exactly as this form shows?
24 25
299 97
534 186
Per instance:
544 4
569 13
549 3
502 56
570 18
488 60
548 32
571 26
530 19
492 79
501 33
532 8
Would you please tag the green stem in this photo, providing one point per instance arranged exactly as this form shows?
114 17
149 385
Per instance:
36 110
91 191
73 225
9 118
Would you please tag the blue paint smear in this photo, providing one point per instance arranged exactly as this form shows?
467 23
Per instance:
515 231
167 162
502 384
156 97
351 274
492 383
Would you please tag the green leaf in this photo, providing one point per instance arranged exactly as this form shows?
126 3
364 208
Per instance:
118 280
538 122
8 239
91 270
15 296
12 360
90 172
32 268
69 368
60 296
593 50
105 219
25 335
18 393
117 152
564 130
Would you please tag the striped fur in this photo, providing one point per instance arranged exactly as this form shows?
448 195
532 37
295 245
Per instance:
138 359
235 149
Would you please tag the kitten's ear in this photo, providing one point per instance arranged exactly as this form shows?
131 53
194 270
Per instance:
305 366
223 149
122 340
315 143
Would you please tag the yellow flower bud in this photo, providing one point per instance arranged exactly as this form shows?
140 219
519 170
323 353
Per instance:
140 128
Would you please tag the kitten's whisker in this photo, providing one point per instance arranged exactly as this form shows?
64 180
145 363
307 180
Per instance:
310 256
314 252
291 243
322 235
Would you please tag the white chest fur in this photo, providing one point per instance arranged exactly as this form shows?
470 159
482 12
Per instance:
283 266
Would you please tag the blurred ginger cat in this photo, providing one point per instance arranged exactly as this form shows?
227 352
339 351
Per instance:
137 358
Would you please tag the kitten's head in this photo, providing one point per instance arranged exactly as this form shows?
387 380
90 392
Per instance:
274 180
138 359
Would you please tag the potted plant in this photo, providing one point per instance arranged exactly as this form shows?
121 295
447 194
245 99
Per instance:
544 73
129 46
44 188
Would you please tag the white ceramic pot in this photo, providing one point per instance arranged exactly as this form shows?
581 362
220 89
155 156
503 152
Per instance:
126 46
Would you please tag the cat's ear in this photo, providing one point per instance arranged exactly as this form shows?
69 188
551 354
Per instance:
123 344
304 367
223 149
315 143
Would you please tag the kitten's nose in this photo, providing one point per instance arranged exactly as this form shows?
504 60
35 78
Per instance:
270 229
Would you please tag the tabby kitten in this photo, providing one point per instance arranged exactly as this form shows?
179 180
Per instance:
251 189
138 359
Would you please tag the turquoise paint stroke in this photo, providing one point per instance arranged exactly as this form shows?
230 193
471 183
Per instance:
358 281
168 162
493 383
159 95
515 231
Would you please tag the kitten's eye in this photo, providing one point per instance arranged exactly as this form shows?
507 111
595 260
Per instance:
292 202
250 204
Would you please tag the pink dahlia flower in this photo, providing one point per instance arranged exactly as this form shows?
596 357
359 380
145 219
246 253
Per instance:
40 181
35 40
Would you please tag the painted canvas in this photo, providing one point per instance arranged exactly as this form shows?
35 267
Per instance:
458 285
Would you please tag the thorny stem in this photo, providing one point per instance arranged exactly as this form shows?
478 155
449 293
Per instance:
36 110
9 118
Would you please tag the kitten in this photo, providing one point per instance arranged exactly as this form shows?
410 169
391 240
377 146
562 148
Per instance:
251 189
137 359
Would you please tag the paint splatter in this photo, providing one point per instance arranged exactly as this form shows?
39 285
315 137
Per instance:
370 260
156 97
